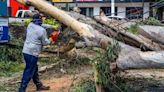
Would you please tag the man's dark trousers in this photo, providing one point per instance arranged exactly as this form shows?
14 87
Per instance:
30 72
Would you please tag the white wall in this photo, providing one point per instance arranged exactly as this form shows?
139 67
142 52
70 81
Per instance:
121 11
146 10
96 11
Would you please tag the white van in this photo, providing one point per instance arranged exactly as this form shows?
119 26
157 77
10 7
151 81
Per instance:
22 15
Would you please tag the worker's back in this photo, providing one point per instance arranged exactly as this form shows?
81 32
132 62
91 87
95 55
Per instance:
36 37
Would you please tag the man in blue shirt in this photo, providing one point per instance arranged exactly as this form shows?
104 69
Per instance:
36 38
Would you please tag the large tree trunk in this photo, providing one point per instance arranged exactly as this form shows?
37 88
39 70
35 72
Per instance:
89 33
156 33
131 58
129 38
43 6
128 55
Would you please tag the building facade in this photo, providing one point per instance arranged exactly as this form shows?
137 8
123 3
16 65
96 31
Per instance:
125 8
14 6
3 10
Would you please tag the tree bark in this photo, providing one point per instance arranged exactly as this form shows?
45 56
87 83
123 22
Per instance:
134 59
90 34
130 57
43 6
129 38
156 33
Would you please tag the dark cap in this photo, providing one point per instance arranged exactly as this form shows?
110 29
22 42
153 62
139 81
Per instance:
36 16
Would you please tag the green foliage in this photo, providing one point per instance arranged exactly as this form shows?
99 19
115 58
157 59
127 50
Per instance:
12 51
84 86
26 22
7 87
47 21
16 23
152 21
109 79
10 54
52 22
133 29
10 67
2 88
48 60
11 58
17 42
102 64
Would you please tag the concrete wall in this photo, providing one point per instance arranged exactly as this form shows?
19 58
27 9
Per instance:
96 11
121 11
146 10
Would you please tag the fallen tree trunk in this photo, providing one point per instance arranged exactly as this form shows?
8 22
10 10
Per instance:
129 38
126 37
89 34
156 33
93 31
84 44
43 6
134 59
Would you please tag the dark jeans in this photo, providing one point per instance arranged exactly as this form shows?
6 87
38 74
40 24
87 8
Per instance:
30 72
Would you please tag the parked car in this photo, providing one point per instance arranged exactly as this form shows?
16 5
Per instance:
21 16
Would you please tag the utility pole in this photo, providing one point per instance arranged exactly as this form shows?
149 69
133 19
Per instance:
76 3
112 7
143 10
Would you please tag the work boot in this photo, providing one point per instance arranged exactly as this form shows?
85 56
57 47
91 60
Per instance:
42 87
22 89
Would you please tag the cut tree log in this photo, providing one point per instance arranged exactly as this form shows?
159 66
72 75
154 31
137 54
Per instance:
156 33
131 58
129 38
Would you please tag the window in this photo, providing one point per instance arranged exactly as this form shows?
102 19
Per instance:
107 10
20 14
83 11
90 12
134 12
65 9
86 11
27 14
